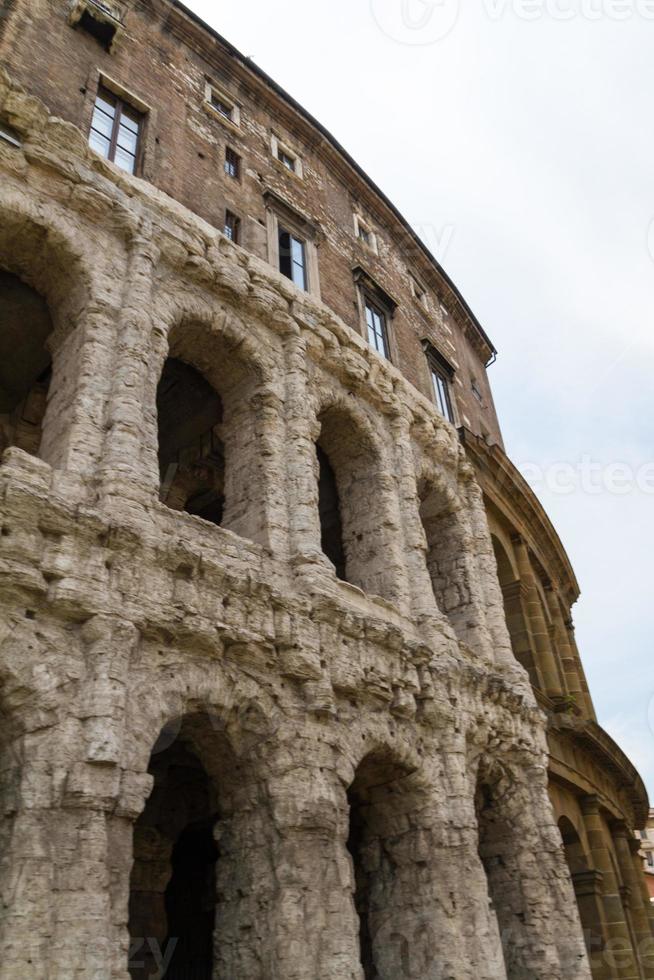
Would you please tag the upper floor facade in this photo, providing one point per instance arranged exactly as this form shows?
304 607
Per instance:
165 98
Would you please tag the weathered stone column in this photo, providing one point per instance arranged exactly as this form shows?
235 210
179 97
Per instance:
529 881
588 701
301 483
424 608
539 631
309 928
567 655
619 952
515 595
124 475
490 599
588 887
637 860
640 918
55 895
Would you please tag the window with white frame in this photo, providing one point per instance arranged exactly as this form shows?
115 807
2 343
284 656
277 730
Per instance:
377 326
377 309
219 102
116 129
286 156
364 233
442 376
292 243
292 257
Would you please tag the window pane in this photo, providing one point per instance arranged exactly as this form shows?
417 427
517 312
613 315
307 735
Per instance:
129 122
124 160
126 140
102 122
102 102
99 143
285 253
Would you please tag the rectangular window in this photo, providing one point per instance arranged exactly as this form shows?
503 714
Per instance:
377 332
650 859
232 227
116 131
476 390
441 385
292 258
286 158
219 104
232 164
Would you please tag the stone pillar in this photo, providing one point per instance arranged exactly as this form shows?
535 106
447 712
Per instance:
544 654
482 556
301 465
568 657
637 860
55 884
82 361
515 597
588 701
588 886
619 954
308 927
529 883
644 940
424 608
131 424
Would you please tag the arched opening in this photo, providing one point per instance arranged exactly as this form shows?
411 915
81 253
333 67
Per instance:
331 527
352 504
514 612
191 877
211 404
586 883
383 846
25 365
191 449
172 904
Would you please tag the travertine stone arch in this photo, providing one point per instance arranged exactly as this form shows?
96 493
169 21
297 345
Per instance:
219 346
367 493
223 723
519 847
42 248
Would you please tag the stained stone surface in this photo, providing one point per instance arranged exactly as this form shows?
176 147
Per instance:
367 756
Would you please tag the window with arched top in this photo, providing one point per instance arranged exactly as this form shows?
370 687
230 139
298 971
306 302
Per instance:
210 461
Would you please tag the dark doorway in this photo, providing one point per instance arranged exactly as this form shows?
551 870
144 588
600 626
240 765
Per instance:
191 903
172 905
331 529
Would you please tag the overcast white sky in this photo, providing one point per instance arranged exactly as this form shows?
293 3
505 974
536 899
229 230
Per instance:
517 137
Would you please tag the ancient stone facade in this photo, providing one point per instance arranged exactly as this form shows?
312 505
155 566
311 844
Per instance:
261 714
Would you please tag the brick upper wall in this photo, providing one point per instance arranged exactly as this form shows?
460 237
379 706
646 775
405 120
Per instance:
163 59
